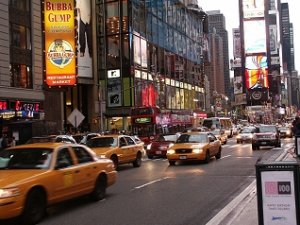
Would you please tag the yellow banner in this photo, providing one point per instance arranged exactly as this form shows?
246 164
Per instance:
60 42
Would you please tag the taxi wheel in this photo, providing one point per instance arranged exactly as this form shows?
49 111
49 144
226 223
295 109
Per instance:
99 191
172 163
138 160
35 207
218 155
115 160
207 157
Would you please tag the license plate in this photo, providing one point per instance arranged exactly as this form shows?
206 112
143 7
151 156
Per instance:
182 157
158 152
264 143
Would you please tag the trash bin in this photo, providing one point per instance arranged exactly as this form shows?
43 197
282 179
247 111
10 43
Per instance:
278 193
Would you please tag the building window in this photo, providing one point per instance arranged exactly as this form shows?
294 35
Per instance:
20 37
20 76
23 5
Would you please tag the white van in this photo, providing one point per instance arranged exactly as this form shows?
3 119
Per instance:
223 123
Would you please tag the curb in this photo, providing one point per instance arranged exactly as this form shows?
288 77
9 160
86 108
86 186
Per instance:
234 209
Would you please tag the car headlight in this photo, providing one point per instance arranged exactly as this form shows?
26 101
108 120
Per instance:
149 146
238 136
197 150
171 151
288 132
171 145
9 192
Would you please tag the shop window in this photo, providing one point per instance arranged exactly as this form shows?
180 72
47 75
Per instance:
20 37
112 18
23 5
20 76
113 51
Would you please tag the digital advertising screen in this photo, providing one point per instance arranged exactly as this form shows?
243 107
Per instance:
255 36
256 78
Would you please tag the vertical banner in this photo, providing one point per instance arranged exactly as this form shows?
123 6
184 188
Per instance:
273 39
114 88
84 38
236 43
59 42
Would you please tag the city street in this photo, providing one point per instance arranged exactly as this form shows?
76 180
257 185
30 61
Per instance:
156 193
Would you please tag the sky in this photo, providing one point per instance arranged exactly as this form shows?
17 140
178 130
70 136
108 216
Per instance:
229 8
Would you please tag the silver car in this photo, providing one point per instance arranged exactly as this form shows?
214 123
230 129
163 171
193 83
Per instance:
245 135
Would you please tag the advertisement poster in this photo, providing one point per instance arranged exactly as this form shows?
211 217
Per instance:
255 36
60 43
278 197
253 8
238 85
236 43
273 39
114 88
84 39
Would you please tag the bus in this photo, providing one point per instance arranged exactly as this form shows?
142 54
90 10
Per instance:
222 123
149 122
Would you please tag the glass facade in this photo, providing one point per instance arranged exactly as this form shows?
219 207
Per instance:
161 56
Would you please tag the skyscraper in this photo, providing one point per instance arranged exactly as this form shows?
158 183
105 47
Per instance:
217 22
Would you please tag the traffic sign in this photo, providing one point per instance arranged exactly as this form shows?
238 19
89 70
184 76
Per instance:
76 118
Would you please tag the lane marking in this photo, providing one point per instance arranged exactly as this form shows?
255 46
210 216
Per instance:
225 156
151 182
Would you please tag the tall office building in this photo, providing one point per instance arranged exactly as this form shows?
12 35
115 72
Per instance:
217 22
291 79
215 68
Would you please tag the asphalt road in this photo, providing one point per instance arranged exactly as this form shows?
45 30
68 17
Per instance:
159 194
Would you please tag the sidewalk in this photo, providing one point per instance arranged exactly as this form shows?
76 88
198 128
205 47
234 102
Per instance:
243 209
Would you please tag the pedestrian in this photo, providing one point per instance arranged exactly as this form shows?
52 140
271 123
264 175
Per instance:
4 142
13 141
296 126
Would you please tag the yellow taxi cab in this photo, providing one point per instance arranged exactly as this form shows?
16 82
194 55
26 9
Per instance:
221 135
194 146
119 148
34 176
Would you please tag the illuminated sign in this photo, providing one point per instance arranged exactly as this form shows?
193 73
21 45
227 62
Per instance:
256 78
113 74
255 36
60 43
3 105
143 120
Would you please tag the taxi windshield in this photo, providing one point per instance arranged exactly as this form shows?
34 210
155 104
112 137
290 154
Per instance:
27 158
192 138
102 142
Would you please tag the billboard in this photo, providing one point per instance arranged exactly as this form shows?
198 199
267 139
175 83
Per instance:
253 8
273 39
84 38
255 36
256 78
59 42
236 43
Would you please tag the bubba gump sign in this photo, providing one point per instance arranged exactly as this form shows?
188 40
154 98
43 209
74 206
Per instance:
60 42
